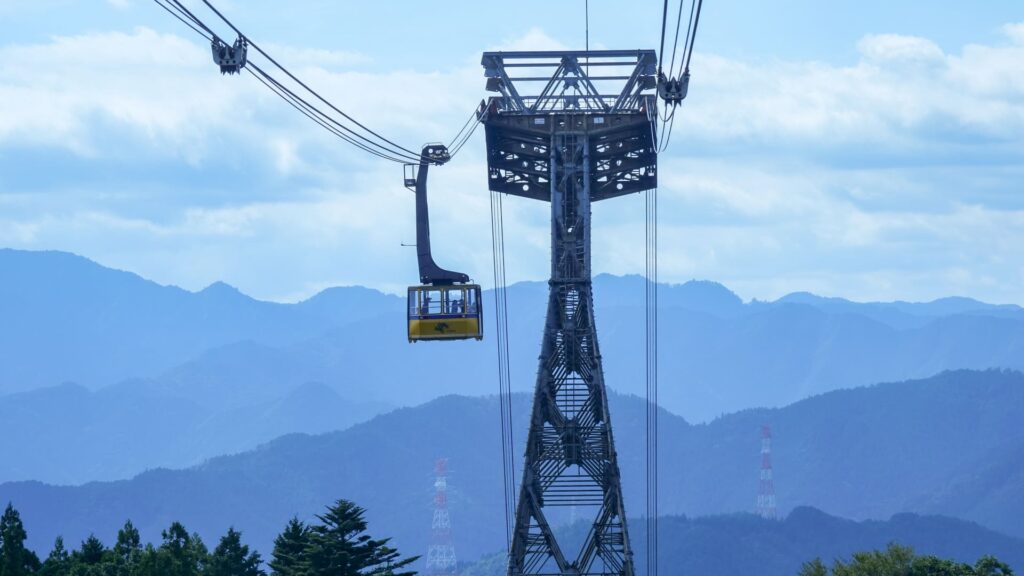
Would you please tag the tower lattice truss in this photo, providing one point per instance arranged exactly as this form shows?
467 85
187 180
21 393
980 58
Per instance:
766 488
441 560
573 143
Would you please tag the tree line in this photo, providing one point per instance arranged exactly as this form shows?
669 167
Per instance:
336 544
902 561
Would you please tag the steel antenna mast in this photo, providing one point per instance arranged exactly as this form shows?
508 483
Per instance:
570 134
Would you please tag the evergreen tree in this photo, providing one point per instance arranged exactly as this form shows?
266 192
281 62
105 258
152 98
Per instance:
814 568
232 558
127 552
901 561
129 544
989 566
58 563
152 562
339 546
15 559
289 553
184 555
92 551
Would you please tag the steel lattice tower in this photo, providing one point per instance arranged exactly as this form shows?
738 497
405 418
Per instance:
579 139
441 559
766 490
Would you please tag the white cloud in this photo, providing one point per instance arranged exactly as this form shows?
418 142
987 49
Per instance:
894 47
1015 32
877 101
764 188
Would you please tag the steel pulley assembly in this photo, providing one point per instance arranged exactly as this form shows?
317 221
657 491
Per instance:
230 58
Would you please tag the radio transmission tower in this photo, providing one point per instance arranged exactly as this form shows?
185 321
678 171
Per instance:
766 491
441 559
558 134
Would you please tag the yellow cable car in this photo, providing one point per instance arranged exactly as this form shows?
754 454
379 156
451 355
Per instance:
445 306
445 312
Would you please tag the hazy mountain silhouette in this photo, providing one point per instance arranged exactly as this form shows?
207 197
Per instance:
67 318
69 434
221 358
873 452
747 544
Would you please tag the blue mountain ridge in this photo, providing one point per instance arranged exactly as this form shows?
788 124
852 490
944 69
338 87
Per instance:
219 361
867 453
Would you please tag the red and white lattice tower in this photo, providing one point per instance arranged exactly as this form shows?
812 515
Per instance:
766 491
441 553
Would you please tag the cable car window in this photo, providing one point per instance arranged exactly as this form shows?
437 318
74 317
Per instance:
456 301
431 303
471 302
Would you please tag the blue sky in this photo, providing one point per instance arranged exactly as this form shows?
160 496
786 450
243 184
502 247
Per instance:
872 150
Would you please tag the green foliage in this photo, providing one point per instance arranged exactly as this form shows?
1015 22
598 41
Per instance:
337 546
15 559
901 561
232 558
91 553
127 553
289 554
814 568
58 563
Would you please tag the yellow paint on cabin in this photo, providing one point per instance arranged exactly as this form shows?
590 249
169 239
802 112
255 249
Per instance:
444 329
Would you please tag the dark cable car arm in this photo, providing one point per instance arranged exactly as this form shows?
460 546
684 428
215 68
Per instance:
446 306
430 272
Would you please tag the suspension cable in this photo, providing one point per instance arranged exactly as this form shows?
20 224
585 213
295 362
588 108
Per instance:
676 78
664 23
398 148
377 145
183 20
693 38
679 22
504 378
311 112
389 151
651 373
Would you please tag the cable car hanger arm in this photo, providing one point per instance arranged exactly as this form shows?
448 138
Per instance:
430 272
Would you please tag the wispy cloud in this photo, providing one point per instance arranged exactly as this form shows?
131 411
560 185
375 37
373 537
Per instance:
895 176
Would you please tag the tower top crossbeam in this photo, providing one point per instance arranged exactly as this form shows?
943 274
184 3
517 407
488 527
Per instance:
600 95
595 81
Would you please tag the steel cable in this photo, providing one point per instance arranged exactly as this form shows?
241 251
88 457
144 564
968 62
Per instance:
381 147
504 378
399 149
651 373
401 154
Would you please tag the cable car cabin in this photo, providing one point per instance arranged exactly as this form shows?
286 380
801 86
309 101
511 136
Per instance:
445 312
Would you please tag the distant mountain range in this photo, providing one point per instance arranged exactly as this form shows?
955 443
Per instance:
69 435
947 445
68 319
747 544
235 372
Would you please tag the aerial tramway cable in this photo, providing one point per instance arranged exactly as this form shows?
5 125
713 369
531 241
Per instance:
344 126
651 374
359 135
504 378
398 148
676 78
